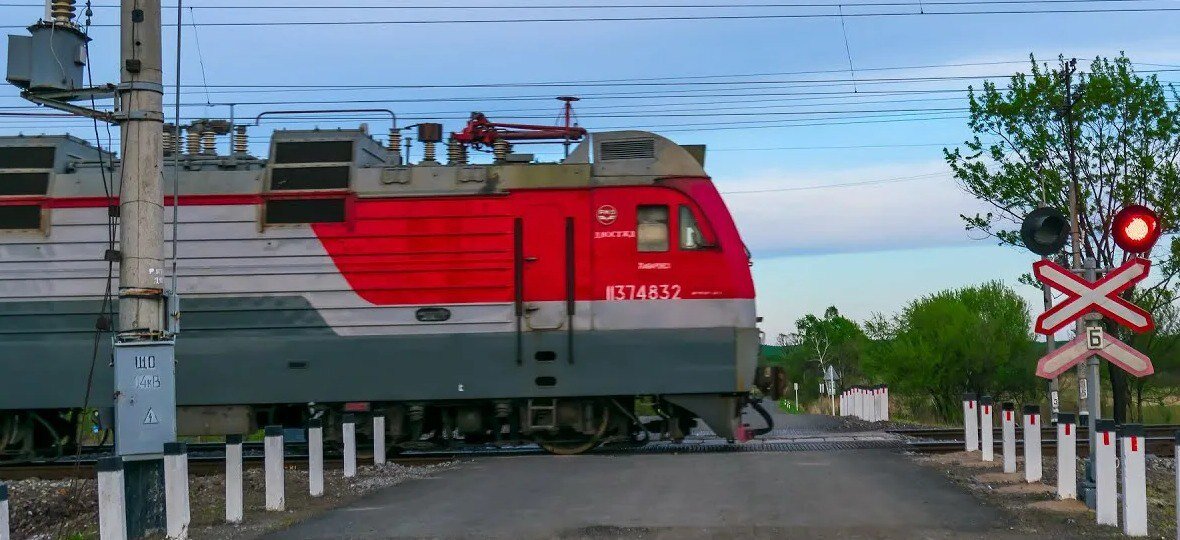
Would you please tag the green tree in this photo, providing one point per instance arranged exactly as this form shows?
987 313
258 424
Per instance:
1126 141
830 340
1162 345
974 339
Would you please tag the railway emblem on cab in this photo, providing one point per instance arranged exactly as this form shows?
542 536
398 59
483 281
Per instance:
607 214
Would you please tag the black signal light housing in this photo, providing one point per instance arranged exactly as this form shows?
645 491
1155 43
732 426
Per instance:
1045 230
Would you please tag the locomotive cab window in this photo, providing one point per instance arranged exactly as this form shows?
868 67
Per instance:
691 237
651 229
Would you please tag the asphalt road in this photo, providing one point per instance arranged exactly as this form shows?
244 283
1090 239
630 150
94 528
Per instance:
839 494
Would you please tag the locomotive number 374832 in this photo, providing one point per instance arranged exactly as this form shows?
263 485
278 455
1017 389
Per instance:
663 291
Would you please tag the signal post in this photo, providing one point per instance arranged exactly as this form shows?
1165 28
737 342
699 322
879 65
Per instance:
1135 229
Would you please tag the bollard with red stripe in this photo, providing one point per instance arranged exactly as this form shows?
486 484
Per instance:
1032 443
970 423
1134 479
1008 435
1067 450
1105 485
986 438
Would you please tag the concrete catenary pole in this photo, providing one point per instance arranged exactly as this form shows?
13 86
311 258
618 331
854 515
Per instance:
141 198
141 241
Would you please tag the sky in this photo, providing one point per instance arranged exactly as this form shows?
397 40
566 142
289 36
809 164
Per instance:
834 175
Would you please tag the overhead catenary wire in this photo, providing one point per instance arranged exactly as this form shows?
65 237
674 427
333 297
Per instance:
879 181
598 6
665 18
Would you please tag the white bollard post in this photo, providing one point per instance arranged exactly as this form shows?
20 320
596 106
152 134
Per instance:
1105 486
878 409
1032 443
233 479
315 457
276 498
112 504
987 441
379 440
349 446
970 423
5 531
885 398
1067 452
1133 450
1008 435
176 501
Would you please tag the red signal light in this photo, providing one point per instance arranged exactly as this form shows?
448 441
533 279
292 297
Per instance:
1136 228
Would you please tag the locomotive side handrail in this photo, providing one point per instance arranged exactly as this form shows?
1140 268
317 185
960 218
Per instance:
392 115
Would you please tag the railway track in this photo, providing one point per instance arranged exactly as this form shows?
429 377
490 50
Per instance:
209 458
941 434
1161 439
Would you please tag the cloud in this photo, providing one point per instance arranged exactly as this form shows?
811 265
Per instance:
911 205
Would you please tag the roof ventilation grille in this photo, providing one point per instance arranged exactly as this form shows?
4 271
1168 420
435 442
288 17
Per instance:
627 149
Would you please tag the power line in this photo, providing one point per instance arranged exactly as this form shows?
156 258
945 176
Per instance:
659 18
637 82
587 6
843 185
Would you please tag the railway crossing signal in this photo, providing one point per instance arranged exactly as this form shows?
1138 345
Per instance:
1045 231
1136 228
1085 297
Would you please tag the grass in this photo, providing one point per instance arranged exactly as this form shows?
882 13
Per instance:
788 406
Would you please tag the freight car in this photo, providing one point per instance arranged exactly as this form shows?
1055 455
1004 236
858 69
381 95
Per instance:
469 303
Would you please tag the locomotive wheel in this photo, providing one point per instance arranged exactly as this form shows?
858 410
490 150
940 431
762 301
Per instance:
565 445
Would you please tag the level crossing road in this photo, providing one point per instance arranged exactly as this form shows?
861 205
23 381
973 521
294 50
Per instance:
838 494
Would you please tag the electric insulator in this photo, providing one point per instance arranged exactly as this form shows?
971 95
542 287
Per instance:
62 11
500 150
169 140
395 140
428 151
240 143
193 141
208 143
456 152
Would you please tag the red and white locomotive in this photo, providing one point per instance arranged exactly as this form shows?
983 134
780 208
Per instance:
502 301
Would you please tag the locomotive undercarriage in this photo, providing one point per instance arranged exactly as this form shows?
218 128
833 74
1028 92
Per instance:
559 425
39 433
